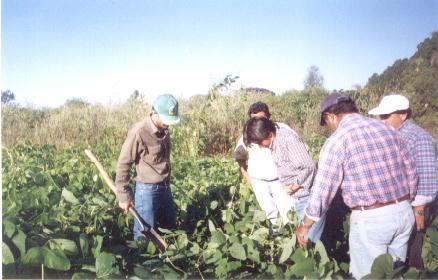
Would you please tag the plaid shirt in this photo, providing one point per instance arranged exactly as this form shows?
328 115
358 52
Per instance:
422 148
367 160
294 164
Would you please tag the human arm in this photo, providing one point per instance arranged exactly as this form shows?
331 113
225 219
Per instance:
126 158
240 155
327 182
243 169
303 229
425 161
296 168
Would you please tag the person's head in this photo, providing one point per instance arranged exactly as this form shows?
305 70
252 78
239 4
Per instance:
259 109
165 111
259 131
334 107
393 109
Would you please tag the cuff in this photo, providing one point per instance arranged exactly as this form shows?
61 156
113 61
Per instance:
313 218
422 200
124 195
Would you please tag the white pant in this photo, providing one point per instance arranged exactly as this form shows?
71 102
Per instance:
273 199
379 231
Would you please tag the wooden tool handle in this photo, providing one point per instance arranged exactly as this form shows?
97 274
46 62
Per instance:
102 171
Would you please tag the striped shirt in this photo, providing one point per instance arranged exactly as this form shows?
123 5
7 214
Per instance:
294 164
367 160
422 148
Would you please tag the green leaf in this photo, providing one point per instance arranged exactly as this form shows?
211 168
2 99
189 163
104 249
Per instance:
19 240
382 265
211 226
237 251
105 265
319 247
229 228
151 248
56 259
69 196
142 272
9 228
97 245
299 256
182 241
260 235
259 216
287 251
302 268
213 205
195 248
217 239
8 257
83 275
84 242
67 246
35 256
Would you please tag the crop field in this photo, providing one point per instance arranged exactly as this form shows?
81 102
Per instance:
61 221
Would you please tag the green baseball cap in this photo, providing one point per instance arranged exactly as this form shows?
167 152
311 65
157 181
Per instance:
166 107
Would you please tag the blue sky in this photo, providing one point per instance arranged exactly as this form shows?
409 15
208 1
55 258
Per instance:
101 51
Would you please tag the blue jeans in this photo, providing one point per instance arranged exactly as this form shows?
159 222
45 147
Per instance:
155 205
379 231
318 227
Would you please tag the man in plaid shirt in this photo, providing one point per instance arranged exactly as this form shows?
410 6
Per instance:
367 160
394 110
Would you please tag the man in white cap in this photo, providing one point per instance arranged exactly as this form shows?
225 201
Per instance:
395 111
148 147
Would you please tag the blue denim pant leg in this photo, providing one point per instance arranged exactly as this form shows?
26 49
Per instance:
155 205
318 227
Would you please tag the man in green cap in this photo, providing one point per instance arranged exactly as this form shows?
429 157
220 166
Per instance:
148 147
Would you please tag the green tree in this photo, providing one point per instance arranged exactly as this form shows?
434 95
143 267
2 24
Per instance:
7 96
314 78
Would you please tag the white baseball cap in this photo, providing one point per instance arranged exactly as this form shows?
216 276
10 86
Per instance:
389 104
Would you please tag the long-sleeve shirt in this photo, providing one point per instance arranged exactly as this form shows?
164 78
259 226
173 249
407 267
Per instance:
422 148
149 149
369 162
294 164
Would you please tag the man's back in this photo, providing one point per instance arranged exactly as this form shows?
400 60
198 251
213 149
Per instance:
368 160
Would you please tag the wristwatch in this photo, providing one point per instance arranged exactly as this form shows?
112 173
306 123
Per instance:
419 212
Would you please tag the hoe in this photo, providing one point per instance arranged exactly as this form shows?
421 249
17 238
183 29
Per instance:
146 230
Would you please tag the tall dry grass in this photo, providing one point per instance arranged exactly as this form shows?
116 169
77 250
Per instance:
211 124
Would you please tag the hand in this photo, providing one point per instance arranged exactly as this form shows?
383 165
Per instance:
125 206
419 217
291 189
300 232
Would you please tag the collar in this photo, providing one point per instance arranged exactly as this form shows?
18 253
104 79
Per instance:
405 124
153 128
347 118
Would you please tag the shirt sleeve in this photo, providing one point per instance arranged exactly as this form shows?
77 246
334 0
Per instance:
327 181
240 152
300 163
124 164
426 167
410 169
